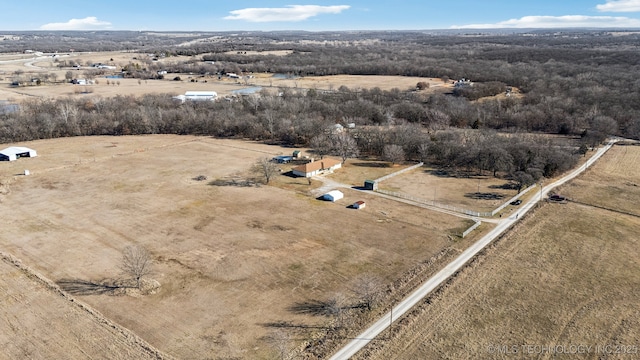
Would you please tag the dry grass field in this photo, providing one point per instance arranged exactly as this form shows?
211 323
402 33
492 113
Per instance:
432 185
32 67
612 183
568 275
38 322
229 259
358 170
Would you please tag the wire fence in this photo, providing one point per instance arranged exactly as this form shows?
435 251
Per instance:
399 172
434 204
466 232
443 206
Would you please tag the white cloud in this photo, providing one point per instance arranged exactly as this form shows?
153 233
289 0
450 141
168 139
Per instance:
620 6
288 13
567 21
88 23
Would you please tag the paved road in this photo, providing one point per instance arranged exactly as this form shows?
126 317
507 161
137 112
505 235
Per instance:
434 282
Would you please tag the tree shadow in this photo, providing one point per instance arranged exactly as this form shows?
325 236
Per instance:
484 196
234 182
439 173
460 174
373 164
88 287
505 186
290 325
313 307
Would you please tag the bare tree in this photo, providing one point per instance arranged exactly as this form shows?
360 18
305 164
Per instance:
136 262
393 153
337 308
345 146
422 85
522 179
321 145
281 341
267 168
367 289
424 149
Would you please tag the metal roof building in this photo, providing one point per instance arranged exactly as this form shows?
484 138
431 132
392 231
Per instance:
14 152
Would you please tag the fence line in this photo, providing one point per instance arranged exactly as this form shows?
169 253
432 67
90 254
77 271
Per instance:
512 199
473 227
443 206
435 204
389 176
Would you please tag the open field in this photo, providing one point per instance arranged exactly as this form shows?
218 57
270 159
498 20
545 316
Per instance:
31 66
230 260
612 183
333 82
38 322
433 185
360 170
568 275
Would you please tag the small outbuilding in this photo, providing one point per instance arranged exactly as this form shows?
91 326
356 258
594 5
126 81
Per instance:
282 159
14 152
359 205
371 185
333 195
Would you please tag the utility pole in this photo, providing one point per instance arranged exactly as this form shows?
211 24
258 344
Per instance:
540 190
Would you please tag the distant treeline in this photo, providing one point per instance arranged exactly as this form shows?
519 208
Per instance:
579 84
438 130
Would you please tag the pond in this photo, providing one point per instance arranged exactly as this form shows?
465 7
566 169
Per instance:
285 76
247 91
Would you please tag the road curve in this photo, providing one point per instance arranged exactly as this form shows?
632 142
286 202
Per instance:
443 275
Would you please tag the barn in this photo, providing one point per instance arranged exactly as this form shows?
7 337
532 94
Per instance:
197 96
14 152
316 167
359 205
333 195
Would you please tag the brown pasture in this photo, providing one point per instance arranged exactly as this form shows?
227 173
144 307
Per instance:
568 275
230 260
32 68
431 184
38 322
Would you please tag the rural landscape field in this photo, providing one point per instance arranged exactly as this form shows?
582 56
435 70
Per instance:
566 276
230 260
154 226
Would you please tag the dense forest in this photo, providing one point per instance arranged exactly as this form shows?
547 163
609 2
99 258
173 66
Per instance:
579 84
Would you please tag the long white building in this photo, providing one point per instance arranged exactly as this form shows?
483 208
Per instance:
14 152
197 96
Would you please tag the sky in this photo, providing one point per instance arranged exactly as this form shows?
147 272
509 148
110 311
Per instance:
338 15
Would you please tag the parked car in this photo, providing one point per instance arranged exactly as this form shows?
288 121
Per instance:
516 202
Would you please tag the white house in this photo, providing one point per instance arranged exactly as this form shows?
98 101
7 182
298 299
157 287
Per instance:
316 167
333 195
14 152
